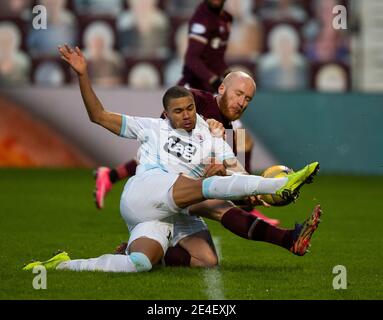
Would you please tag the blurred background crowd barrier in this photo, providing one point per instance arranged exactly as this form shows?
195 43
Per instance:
285 44
304 68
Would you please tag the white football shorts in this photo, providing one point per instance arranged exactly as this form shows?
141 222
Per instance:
146 197
169 232
184 226
146 200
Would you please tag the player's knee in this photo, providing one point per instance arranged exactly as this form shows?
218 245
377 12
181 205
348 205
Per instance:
209 260
141 261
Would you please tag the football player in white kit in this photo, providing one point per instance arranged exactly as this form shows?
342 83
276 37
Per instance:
174 153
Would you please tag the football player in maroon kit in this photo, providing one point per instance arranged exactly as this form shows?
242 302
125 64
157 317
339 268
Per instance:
209 31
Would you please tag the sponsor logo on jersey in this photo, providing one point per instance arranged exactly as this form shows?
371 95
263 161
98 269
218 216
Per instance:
199 137
180 149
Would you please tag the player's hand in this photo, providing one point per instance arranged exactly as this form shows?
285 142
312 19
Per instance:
214 169
256 201
216 128
74 57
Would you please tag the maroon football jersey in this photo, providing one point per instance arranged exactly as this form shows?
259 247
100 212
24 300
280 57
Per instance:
207 107
208 36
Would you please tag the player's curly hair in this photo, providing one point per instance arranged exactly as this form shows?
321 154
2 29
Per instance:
174 93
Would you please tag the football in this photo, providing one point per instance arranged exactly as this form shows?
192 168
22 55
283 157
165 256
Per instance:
276 171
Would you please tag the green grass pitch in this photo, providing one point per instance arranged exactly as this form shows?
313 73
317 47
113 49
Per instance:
45 210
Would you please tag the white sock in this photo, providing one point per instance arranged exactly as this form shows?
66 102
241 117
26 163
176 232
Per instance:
109 263
239 186
271 185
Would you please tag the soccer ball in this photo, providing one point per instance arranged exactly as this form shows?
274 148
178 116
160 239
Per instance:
277 171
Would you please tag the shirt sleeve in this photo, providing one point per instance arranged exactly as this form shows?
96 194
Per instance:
133 127
199 29
198 40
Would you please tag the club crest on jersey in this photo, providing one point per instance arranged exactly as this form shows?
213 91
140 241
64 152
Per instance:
199 137
180 149
215 43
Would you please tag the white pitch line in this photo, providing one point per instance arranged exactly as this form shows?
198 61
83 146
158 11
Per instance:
213 277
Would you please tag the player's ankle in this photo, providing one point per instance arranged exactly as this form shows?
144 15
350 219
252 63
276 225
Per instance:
113 176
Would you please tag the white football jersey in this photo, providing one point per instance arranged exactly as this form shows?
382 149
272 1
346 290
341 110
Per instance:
174 150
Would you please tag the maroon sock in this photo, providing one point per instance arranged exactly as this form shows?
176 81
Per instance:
130 169
123 171
264 231
248 226
239 222
177 256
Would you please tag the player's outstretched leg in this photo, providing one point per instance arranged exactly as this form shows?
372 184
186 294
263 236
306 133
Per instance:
144 253
250 227
134 262
295 240
239 186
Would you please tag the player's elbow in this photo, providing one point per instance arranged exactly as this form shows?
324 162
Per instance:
94 119
97 118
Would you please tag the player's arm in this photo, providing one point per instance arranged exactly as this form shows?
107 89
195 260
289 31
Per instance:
216 128
198 40
95 109
232 166
214 167
193 58
225 168
224 153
